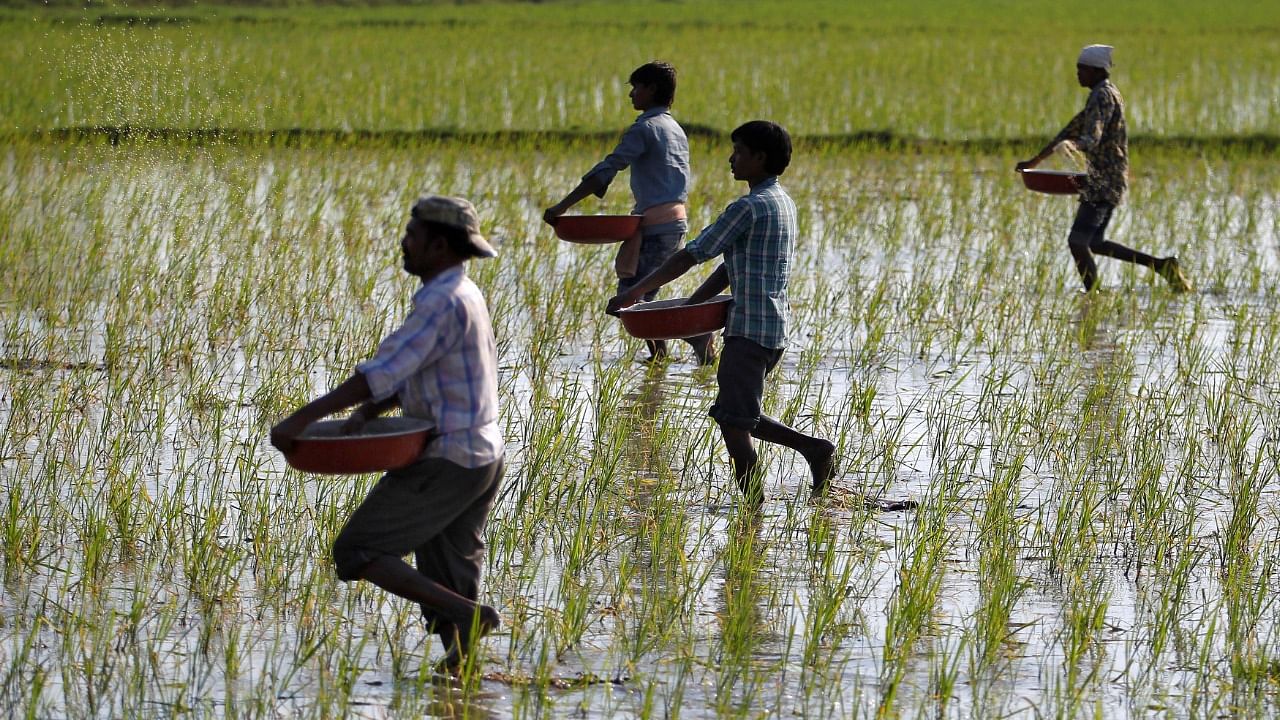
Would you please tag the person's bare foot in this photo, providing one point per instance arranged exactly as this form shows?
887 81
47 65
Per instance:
657 351
463 639
704 348
822 465
1171 271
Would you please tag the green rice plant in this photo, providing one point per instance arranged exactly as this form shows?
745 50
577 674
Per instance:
1084 609
997 567
831 587
862 72
740 620
913 604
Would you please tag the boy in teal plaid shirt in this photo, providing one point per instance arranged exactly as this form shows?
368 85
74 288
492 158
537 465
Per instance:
756 236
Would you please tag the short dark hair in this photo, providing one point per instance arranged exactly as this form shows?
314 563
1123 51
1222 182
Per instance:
455 237
769 138
659 74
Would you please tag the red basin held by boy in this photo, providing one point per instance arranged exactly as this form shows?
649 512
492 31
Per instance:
384 443
596 228
672 319
1054 182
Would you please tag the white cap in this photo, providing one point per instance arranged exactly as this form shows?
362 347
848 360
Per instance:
1098 56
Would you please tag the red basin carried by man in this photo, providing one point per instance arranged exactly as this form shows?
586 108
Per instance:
673 319
596 228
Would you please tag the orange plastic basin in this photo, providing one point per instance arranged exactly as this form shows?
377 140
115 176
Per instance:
596 228
1054 182
671 319
385 443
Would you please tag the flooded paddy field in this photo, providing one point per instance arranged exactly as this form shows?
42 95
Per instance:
1096 530
201 212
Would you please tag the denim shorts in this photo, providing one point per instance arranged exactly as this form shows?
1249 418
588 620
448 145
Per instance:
654 250
743 366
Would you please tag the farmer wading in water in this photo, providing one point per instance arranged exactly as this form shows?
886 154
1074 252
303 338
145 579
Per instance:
1099 131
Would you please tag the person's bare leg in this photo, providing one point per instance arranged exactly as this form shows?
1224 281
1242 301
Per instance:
743 455
458 639
1116 251
453 610
657 350
704 348
1167 268
1078 243
399 577
819 453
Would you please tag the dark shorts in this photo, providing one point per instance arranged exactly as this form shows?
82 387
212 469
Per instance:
743 367
433 508
654 250
1090 225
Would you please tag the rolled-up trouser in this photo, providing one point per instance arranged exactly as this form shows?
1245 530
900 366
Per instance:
1089 229
433 508
743 366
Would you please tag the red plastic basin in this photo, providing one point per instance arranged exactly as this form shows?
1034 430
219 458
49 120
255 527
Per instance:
385 443
596 228
672 319
1054 182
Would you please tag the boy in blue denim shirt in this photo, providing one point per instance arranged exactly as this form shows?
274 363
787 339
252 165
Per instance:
657 151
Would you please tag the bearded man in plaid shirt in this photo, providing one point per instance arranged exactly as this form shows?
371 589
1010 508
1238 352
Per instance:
441 365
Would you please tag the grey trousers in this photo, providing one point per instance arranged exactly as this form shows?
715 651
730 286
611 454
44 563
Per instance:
435 509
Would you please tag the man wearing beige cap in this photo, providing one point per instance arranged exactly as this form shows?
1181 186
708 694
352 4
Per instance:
1099 131
441 366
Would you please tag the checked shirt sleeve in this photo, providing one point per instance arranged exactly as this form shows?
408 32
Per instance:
426 335
732 225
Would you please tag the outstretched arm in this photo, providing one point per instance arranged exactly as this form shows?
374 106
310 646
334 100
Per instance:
597 180
675 266
353 390
591 185
717 281
1071 131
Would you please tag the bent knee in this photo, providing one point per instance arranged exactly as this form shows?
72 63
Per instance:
350 560
1079 241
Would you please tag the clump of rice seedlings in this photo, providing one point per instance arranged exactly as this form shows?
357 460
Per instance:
1093 534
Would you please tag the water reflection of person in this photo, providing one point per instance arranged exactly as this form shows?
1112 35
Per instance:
440 366
645 404
1106 371
1099 130
741 621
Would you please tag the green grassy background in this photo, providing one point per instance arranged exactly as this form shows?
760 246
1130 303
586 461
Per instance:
922 69
1098 531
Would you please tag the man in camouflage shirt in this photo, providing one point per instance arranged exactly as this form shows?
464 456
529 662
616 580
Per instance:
1099 131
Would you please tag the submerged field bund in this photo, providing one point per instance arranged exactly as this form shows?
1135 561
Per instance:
1257 144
